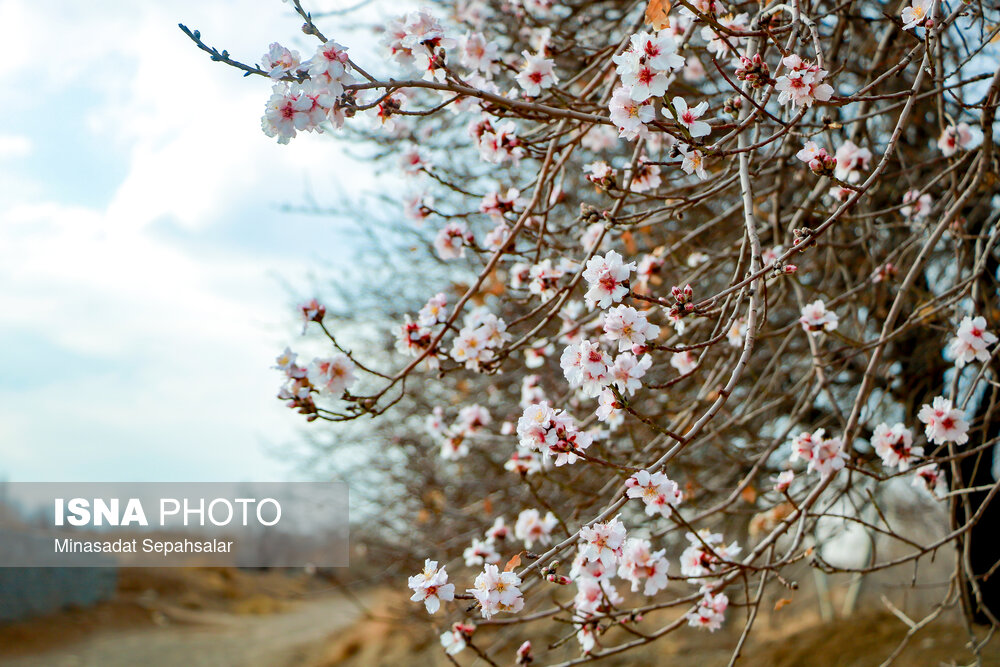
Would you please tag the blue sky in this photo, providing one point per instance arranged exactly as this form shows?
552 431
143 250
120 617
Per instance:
143 262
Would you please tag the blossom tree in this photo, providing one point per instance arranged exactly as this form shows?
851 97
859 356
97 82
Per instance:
711 256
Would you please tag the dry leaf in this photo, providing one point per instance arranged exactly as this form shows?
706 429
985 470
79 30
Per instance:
629 242
512 563
434 500
656 14
487 506
781 603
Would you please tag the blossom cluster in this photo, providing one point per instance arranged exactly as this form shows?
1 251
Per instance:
536 120
471 420
657 491
803 83
304 105
497 591
822 455
553 433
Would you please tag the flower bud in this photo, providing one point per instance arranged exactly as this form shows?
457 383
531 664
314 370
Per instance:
524 656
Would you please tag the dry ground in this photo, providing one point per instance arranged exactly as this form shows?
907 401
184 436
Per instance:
228 618
792 637
187 617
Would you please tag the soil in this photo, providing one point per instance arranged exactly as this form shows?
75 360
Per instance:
223 618
866 639
191 617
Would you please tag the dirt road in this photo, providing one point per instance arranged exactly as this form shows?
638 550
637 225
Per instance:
215 639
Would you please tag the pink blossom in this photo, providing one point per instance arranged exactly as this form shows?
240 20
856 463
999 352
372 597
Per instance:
649 266
629 115
955 138
553 433
931 478
455 640
711 612
331 65
915 13
296 108
642 566
523 462
609 409
594 596
285 360
496 204
659 50
524 656
606 277
603 542
720 43
629 327
279 61
412 339
915 205
531 528
894 445
451 240
804 445
536 74
481 551
828 457
656 490
645 178
479 54
431 586
412 161
600 174
685 362
823 455
783 480
851 159
586 365
694 71
802 84
628 370
545 279
499 145
537 353
971 341
332 375
434 311
944 423
706 554
816 318
497 591
693 161
688 117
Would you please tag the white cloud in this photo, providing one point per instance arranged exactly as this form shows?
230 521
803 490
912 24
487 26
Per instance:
182 324
14 145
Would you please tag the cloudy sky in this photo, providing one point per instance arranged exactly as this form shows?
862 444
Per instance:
146 274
